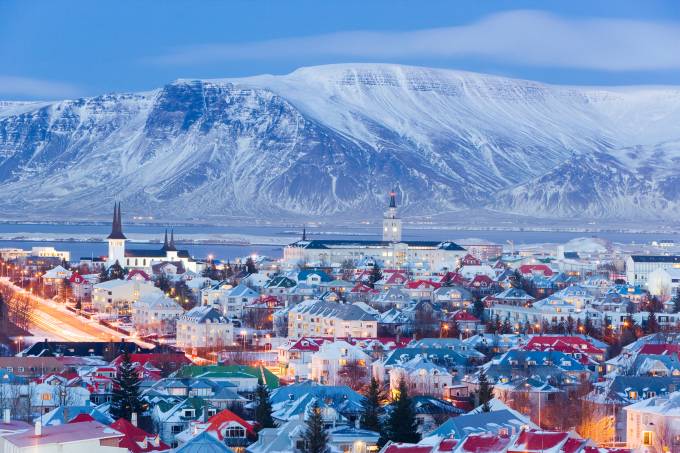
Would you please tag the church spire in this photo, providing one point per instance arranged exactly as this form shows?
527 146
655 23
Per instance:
165 241
304 232
117 224
393 199
171 245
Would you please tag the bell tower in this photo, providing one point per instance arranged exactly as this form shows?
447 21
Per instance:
391 223
116 239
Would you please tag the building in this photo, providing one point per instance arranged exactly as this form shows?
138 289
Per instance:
654 423
82 437
392 251
315 318
145 258
328 364
204 327
115 297
51 252
638 267
156 313
392 223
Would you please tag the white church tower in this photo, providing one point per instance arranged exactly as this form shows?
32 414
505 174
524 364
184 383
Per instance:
391 223
116 239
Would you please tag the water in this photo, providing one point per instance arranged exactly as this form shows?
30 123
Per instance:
281 235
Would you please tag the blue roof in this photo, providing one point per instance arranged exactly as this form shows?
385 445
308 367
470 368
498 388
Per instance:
340 397
204 443
463 425
63 414
302 275
558 359
403 355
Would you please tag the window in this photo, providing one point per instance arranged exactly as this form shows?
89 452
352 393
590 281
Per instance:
176 429
235 431
646 438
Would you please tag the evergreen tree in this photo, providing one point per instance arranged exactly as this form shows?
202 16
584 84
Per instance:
125 398
376 275
263 408
652 325
250 266
478 309
104 275
401 424
485 392
116 271
628 331
370 418
315 435
506 328
79 304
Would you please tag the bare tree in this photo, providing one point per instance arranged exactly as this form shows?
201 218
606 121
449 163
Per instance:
353 374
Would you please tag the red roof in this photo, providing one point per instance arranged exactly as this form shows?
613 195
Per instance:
217 421
532 440
408 448
137 273
566 344
660 349
480 443
362 288
481 280
573 445
394 277
154 358
82 417
76 278
135 438
536 268
469 260
422 284
463 315
307 344
454 277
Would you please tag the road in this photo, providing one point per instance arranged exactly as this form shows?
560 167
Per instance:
53 319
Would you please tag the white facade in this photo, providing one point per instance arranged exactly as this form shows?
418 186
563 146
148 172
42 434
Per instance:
654 423
638 267
51 252
330 319
204 327
155 313
391 223
331 357
422 377
117 296
663 282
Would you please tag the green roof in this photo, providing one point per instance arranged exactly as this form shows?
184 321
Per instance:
229 371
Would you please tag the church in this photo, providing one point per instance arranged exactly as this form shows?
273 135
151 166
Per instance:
145 258
391 251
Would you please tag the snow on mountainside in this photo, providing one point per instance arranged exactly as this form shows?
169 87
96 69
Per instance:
333 139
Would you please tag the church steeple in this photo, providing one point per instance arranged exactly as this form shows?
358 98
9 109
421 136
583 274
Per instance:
165 241
304 232
171 245
117 224
391 223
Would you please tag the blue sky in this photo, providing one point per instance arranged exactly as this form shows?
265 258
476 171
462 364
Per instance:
55 49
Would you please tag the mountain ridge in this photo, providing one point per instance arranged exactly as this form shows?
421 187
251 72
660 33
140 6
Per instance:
331 140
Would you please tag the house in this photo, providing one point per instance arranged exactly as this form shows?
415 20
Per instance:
115 297
393 297
172 417
204 327
512 296
155 313
288 438
654 423
295 357
639 267
230 301
135 439
56 276
278 286
331 319
225 426
465 322
245 378
81 287
453 297
204 443
421 289
497 422
422 376
339 362
87 436
341 404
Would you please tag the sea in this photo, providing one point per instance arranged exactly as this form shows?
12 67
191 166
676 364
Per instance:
270 240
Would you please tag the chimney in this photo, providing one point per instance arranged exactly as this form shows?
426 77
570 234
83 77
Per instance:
38 428
6 416
133 419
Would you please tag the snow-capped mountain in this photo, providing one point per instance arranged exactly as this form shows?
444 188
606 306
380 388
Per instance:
334 139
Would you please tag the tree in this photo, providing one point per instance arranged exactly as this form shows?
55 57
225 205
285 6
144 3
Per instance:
401 424
263 406
376 275
315 436
370 417
478 308
485 392
347 270
163 282
125 398
116 271
250 266
652 325
353 374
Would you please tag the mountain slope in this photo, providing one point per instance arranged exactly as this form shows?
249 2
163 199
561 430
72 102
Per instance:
332 139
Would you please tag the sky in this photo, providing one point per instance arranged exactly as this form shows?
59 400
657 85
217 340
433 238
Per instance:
53 49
